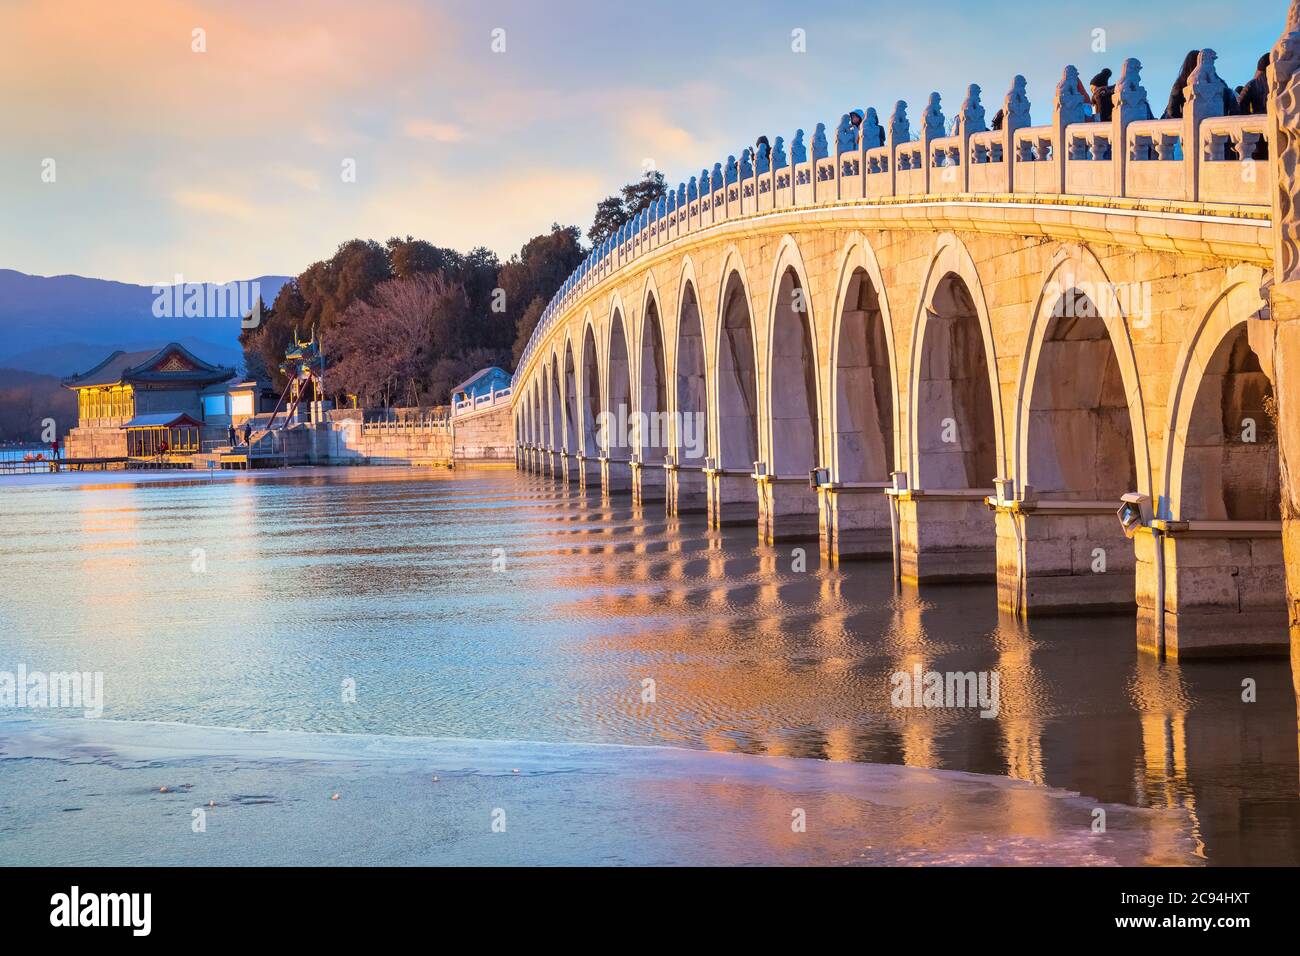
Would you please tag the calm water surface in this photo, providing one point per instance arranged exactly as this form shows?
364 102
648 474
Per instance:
496 606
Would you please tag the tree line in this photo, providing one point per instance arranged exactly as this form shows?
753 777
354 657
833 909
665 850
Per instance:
403 322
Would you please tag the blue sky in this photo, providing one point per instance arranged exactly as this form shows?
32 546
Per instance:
228 163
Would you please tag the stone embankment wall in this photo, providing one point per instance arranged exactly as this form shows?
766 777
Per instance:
480 437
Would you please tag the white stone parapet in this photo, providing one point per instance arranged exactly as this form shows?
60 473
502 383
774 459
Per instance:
1204 157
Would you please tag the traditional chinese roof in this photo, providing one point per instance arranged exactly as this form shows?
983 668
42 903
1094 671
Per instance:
173 364
469 383
162 420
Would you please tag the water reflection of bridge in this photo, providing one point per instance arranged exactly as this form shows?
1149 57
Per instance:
960 350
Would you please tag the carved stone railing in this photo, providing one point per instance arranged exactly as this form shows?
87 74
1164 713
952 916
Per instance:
1203 157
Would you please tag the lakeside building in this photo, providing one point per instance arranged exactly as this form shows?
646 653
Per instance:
480 388
163 401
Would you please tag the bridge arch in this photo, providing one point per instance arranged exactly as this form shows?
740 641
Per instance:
589 403
569 391
543 426
864 404
528 413
652 378
1080 419
954 396
1224 375
736 393
618 381
548 408
690 378
553 400
791 393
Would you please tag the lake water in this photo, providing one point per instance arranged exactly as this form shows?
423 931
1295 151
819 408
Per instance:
621 686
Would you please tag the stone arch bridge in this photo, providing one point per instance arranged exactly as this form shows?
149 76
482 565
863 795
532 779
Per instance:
961 349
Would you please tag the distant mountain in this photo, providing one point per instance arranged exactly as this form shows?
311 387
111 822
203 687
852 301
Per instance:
60 325
27 399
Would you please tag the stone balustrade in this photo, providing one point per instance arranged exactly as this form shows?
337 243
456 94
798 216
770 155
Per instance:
1070 157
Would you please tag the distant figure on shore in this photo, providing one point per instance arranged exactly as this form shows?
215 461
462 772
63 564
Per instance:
1253 99
248 433
231 438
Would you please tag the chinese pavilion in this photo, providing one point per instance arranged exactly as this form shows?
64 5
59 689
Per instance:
142 404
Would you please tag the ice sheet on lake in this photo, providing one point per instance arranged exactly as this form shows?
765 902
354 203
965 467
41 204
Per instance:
92 792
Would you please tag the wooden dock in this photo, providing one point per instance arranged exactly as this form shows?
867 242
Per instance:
56 465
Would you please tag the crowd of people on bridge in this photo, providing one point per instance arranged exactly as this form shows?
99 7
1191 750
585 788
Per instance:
1249 99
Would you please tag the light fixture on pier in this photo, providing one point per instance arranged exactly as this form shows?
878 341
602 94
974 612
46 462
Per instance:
1133 512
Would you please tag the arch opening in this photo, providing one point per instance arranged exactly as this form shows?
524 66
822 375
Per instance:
1231 470
737 381
864 388
570 402
591 395
653 440
1080 433
956 436
617 441
795 419
553 401
692 432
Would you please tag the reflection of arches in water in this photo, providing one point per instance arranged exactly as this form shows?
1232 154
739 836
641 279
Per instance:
1230 463
737 380
590 395
864 390
793 386
620 388
1080 431
692 390
654 400
956 441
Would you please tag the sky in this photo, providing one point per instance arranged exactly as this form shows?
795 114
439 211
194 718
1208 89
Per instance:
212 139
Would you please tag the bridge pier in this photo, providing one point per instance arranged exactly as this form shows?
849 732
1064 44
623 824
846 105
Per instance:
1224 589
945 537
685 490
732 498
647 482
588 472
788 509
551 463
568 467
615 476
1063 557
855 522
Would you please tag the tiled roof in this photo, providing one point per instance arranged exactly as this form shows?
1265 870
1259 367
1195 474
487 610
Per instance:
138 366
161 420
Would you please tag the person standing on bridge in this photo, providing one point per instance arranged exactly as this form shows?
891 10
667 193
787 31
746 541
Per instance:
1177 96
1253 100
1103 96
